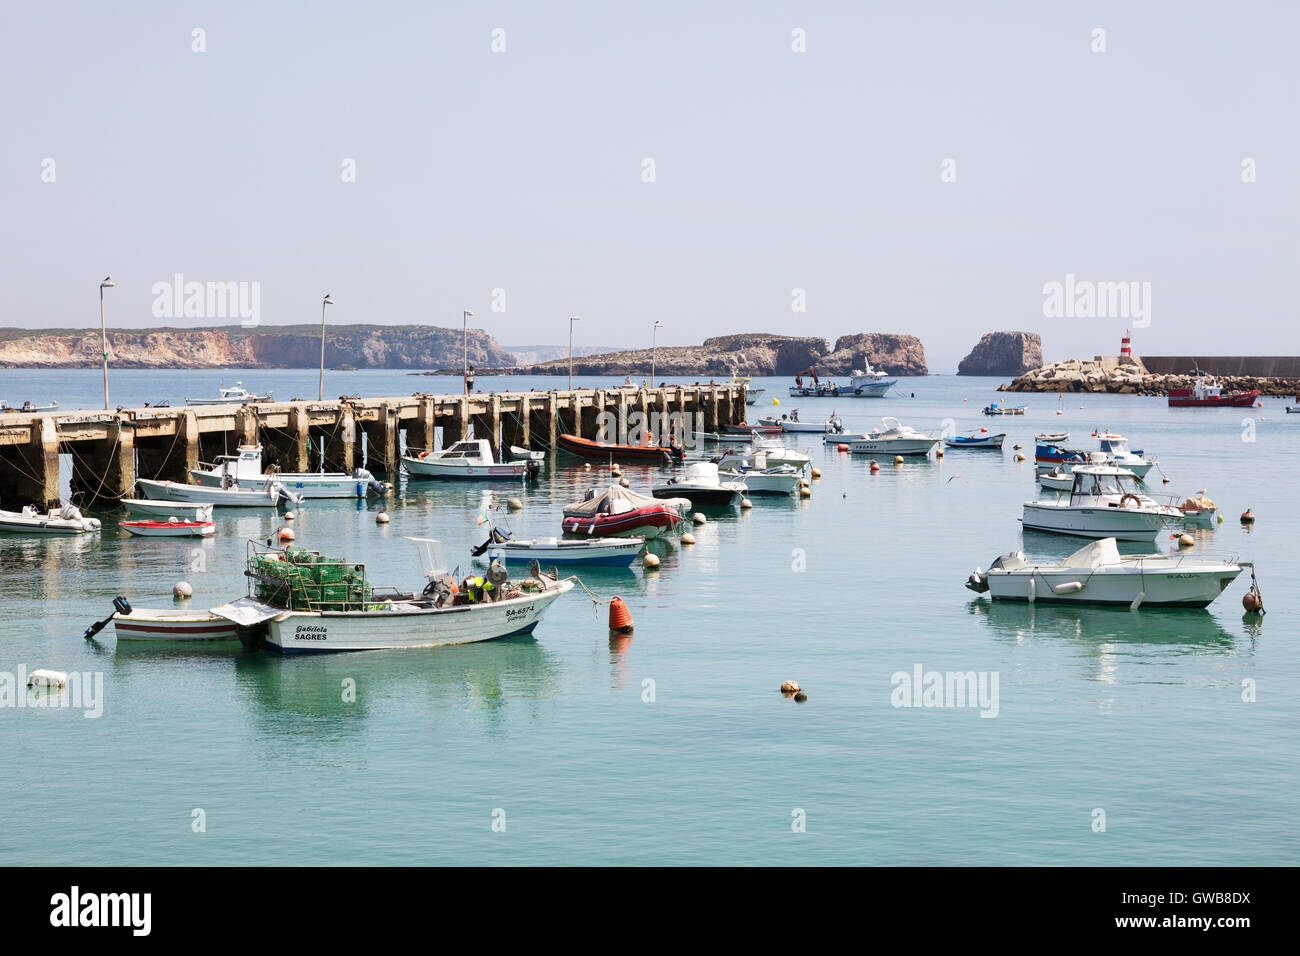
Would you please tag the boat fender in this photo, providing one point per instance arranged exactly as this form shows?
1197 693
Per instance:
1032 589
1068 587
1137 601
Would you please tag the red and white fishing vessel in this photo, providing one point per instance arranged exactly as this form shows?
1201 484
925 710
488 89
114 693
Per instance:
171 528
1206 392
620 513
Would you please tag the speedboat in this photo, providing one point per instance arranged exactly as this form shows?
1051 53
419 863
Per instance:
586 552
269 494
778 480
245 468
185 511
621 513
233 395
1115 451
994 408
761 455
701 485
610 451
791 423
172 527
1206 392
469 458
305 602
869 383
896 439
65 520
1098 574
974 440
835 433
1104 502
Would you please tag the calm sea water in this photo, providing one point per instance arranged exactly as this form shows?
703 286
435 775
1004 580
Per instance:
674 745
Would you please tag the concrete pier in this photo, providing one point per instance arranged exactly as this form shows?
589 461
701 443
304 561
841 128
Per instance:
109 450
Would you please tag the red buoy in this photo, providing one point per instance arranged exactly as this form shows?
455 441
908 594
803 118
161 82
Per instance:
620 618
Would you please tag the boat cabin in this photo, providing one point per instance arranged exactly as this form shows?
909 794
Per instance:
476 451
1106 487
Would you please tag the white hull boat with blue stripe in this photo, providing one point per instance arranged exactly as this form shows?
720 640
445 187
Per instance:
587 552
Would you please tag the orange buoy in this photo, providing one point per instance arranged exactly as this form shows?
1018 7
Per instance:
875 467
620 618
841 447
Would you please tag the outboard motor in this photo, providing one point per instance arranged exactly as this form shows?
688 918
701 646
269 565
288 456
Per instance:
366 482
978 581
534 468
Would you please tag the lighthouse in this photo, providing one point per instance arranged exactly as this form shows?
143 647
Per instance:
1125 346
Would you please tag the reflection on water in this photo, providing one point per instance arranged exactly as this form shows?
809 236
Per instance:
1172 630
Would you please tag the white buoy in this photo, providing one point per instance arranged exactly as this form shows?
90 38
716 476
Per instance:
698 518
625 483
651 560
289 516
1186 540
46 678
182 589
746 504
790 687
382 518
816 473
898 459
688 538
514 504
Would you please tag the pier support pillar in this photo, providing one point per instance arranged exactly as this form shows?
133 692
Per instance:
456 427
246 425
421 434
381 442
552 422
29 473
622 416
105 469
300 458
340 446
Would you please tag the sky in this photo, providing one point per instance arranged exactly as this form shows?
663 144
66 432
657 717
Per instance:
800 168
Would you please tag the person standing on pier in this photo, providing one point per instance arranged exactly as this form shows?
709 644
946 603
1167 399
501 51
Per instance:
469 379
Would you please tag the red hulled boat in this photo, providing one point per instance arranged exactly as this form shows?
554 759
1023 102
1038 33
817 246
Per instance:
620 513
1208 393
586 448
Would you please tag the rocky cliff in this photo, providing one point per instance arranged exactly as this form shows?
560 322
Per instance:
1129 376
1003 353
756 353
292 346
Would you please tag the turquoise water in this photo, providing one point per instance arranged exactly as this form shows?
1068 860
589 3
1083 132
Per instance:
1137 714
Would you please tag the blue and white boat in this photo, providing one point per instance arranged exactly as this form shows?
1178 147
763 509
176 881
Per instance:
993 408
587 552
1115 451
976 441
869 383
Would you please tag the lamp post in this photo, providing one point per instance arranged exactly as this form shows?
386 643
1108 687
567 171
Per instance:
320 393
654 345
464 358
103 334
572 319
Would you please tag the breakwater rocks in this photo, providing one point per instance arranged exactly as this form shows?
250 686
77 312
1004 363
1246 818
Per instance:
1004 353
755 353
285 346
1128 376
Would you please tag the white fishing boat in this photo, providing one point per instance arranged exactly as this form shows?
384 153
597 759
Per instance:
185 511
167 624
232 395
300 613
469 458
245 469
791 423
976 440
1058 479
1115 451
520 453
269 495
1052 438
584 552
895 439
701 485
1104 502
65 520
780 480
869 383
169 528
1098 574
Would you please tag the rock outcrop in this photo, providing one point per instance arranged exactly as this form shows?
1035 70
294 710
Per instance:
1129 376
756 353
291 346
1004 353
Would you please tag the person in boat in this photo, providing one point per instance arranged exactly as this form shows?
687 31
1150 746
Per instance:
478 588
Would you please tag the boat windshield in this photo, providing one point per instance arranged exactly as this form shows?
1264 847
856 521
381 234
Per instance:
1098 485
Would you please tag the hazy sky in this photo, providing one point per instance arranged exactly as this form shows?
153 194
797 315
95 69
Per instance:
774 170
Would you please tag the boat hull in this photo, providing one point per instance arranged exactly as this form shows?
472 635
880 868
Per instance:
759 484
306 485
992 441
144 624
700 497
430 468
195 511
606 553
1183 398
166 529
901 446
586 448
315 632
19 524
1161 587
1124 524
221 497
641 523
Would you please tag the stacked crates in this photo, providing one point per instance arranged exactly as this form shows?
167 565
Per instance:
302 580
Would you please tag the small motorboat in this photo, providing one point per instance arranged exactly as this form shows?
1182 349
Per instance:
607 451
1206 392
995 408
791 423
975 440
520 453
896 439
1098 574
701 485
245 468
737 439
869 383
621 513
27 407
469 458
1048 455
65 520
1057 479
1115 451
1104 502
166 624
585 552
269 494
752 395
1052 438
779 480
185 511
764 427
763 455
234 395
1198 511
835 433
172 527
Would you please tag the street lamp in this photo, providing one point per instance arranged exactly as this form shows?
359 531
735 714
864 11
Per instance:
464 359
320 394
103 334
572 319
654 344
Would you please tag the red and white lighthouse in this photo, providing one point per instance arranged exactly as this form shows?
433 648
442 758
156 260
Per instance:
1125 346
